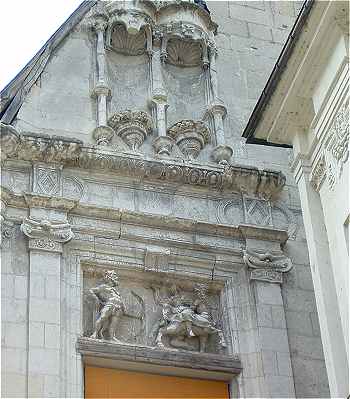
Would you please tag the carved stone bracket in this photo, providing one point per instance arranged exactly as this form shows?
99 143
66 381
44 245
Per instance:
190 136
263 255
132 126
60 232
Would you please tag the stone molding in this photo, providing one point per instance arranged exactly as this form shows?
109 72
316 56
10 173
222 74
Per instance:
233 178
269 234
264 233
217 365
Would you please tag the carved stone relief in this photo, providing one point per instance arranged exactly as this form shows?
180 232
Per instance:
190 136
132 126
47 179
330 164
125 43
230 211
46 235
153 311
266 265
257 212
233 178
73 188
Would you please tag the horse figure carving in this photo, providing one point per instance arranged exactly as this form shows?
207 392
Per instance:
182 321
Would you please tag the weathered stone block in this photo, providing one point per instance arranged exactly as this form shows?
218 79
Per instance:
273 339
15 334
284 364
261 32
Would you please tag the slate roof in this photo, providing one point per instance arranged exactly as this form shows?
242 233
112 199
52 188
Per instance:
13 95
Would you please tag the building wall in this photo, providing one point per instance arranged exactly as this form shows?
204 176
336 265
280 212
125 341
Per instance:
250 37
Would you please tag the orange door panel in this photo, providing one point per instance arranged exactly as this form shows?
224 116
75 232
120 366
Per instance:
111 383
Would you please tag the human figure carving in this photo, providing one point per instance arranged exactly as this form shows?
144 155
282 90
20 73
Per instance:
181 320
112 307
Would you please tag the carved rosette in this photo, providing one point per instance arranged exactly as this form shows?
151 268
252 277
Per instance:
190 136
46 235
132 126
266 265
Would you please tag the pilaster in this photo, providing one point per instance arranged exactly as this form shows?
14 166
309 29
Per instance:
47 230
266 264
335 351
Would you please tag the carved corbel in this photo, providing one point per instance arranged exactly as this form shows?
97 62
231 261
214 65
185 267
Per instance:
266 265
46 235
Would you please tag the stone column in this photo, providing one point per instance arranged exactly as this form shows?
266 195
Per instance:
334 345
47 230
103 133
221 153
162 144
266 263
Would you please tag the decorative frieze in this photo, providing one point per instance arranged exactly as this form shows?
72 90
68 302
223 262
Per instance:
183 317
257 212
245 179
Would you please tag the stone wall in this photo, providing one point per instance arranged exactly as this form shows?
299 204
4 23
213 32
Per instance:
118 218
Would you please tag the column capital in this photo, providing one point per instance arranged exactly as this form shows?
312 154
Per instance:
46 235
266 265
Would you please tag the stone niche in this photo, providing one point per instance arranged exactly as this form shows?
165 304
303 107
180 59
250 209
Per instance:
155 310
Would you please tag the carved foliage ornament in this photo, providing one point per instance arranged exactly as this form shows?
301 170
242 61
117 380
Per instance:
336 153
190 136
132 126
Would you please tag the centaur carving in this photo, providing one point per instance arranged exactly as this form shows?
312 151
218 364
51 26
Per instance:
184 320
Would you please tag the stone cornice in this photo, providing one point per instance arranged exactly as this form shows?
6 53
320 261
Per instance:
263 233
231 178
43 201
181 363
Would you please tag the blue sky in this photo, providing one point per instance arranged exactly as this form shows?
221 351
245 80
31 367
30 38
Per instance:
25 26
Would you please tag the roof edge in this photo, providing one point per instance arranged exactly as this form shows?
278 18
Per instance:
13 94
269 89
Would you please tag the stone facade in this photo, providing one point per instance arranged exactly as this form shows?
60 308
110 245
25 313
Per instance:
125 157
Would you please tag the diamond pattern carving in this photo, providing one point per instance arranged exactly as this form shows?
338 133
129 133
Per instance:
257 212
